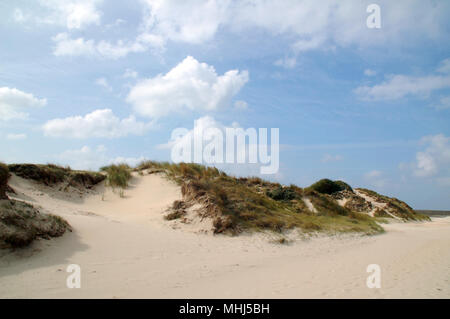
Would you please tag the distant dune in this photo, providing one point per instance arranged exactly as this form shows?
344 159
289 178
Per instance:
434 212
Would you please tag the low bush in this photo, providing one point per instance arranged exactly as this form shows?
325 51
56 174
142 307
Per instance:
327 186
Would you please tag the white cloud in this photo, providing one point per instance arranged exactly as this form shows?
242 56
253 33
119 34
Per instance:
129 73
311 24
15 137
435 159
399 86
100 123
241 105
93 158
209 142
331 158
201 124
444 103
67 46
192 22
308 44
369 72
19 16
287 63
131 161
445 66
74 14
72 47
103 83
14 103
85 157
190 85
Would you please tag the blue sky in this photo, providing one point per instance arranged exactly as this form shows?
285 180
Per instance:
84 83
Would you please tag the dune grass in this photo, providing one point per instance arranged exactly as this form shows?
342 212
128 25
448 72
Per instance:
252 204
395 206
117 175
52 174
21 224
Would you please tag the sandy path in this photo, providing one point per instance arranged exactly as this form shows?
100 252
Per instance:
125 249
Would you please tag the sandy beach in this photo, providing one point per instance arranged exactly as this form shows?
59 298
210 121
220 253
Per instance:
127 250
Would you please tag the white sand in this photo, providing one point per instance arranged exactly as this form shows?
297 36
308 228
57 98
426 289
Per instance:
376 205
125 249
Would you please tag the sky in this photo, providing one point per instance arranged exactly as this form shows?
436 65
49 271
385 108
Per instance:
90 83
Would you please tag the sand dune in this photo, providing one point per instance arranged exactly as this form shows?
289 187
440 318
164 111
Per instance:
126 249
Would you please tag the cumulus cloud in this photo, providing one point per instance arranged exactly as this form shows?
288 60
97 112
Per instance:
74 14
231 148
311 23
435 158
190 85
14 103
100 123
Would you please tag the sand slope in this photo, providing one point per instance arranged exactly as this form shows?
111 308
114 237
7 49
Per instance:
126 249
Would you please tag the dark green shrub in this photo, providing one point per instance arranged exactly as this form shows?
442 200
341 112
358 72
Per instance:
327 186
282 193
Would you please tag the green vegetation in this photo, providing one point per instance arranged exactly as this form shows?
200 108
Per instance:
117 175
4 175
252 204
21 223
51 174
284 193
395 206
326 186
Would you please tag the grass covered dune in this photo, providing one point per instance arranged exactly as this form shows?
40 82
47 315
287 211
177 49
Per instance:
253 204
234 205
20 222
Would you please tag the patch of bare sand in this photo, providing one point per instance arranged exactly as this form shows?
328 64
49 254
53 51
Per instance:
126 249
